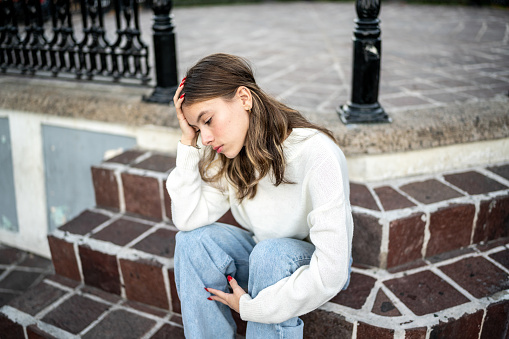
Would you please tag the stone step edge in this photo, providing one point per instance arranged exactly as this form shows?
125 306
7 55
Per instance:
35 324
360 315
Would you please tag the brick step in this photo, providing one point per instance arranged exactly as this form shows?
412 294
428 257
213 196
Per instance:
459 294
396 221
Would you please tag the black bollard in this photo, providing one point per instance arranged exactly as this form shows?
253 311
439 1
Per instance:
165 54
364 106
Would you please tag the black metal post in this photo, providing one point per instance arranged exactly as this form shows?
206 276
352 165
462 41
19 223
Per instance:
364 106
165 54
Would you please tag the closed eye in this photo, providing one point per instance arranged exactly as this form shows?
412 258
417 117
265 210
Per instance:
208 121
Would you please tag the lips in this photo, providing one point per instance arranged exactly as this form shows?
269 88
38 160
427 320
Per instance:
218 149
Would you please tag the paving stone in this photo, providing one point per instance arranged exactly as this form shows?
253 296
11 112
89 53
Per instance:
9 328
37 298
486 246
6 297
322 324
158 163
407 266
105 188
120 324
144 282
406 237
9 255
126 157
450 228
502 170
142 195
100 269
97 292
391 199
361 196
474 182
146 308
384 306
466 327
168 331
176 319
84 223
492 220
161 243
35 261
425 292
64 259
63 281
75 314
430 191
121 232
34 332
357 292
495 323
502 257
19 280
407 100
366 331
478 276
367 239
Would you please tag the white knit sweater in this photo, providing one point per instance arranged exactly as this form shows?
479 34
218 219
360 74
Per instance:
315 208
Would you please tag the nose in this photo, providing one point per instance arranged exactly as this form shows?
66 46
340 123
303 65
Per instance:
206 136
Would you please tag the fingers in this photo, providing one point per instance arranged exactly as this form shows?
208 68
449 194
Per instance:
230 299
178 94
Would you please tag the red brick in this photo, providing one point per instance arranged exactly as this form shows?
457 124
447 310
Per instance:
75 314
9 328
158 163
121 232
9 255
105 188
127 157
161 243
175 301
367 240
391 199
407 266
361 196
169 331
142 195
466 327
366 331
34 332
167 201
320 324
430 191
100 269
492 220
384 306
416 333
450 228
502 257
120 324
406 237
496 322
97 292
478 276
144 282
357 292
64 258
84 223
474 182
424 292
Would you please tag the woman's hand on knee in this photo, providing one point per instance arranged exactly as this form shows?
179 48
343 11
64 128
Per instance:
230 299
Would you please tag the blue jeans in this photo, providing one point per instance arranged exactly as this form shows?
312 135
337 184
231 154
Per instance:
206 256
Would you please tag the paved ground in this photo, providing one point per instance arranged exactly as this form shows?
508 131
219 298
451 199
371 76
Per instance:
431 55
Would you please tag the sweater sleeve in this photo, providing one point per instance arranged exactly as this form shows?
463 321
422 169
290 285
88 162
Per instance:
331 228
194 203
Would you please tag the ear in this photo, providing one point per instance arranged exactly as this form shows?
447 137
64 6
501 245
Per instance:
244 94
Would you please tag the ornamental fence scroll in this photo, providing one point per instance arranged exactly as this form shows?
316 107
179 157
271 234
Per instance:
39 36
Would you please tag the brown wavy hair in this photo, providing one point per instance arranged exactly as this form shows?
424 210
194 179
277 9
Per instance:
270 123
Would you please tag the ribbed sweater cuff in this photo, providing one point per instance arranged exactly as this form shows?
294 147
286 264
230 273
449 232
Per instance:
187 156
246 309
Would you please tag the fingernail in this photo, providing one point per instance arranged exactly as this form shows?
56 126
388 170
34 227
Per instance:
229 278
181 84
206 289
209 298
182 96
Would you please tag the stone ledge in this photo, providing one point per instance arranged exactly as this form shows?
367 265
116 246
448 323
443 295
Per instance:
411 130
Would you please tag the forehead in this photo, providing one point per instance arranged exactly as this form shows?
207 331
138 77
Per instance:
196 110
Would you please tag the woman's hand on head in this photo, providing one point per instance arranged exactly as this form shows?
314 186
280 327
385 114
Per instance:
230 299
189 134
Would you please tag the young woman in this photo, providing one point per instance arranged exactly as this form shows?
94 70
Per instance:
285 181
